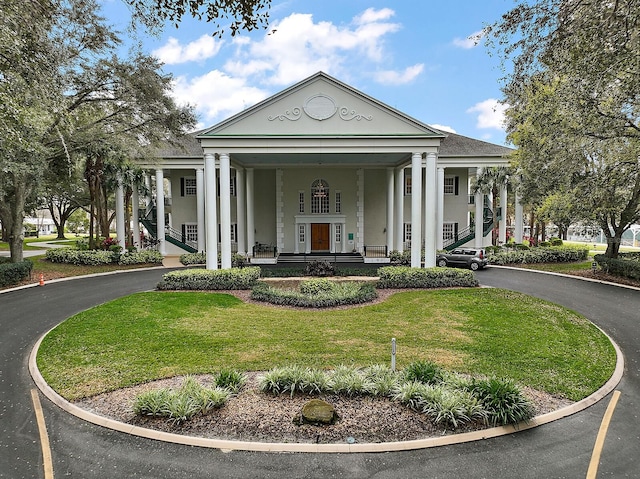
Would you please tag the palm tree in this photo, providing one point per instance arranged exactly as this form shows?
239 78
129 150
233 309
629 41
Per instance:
491 180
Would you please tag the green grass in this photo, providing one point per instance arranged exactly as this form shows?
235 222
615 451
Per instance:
153 335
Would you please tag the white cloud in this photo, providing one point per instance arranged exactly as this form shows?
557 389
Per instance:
471 41
173 53
490 114
391 77
217 94
297 47
443 128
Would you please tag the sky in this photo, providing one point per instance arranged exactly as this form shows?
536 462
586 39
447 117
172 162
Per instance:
418 57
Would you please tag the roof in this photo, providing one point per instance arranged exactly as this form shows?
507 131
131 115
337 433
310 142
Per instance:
455 145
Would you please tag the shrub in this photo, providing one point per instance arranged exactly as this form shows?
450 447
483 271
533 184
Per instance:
503 401
406 277
205 279
319 268
425 372
400 258
314 287
341 293
556 242
80 257
147 256
557 254
626 264
188 259
12 273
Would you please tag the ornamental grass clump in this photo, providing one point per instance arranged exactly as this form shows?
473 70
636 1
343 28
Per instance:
348 380
180 405
293 379
230 379
426 372
503 400
380 380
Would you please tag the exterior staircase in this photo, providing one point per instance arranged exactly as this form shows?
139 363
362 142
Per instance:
175 237
467 234
354 258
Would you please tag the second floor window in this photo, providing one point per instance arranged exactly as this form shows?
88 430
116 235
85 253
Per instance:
320 197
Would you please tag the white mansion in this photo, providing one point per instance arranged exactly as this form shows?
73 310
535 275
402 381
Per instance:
319 168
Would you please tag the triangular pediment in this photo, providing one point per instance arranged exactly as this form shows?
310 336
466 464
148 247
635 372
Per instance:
320 106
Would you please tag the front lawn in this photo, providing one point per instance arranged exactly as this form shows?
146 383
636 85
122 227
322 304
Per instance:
153 335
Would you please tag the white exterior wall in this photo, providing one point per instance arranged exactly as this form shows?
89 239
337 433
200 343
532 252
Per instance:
375 207
264 206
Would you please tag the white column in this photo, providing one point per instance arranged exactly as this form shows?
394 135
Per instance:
200 210
307 238
502 235
332 238
440 217
390 209
135 216
120 233
518 230
241 215
479 201
162 247
210 211
225 211
399 207
149 197
431 210
416 210
251 231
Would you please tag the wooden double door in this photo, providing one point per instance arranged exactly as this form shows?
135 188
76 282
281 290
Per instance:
320 237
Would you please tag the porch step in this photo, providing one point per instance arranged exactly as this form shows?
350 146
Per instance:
331 258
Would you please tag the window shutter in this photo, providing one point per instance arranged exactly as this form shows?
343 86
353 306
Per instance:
182 186
184 227
456 185
455 230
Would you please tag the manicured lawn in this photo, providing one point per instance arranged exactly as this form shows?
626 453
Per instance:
481 331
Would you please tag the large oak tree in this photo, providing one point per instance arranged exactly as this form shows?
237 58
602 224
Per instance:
574 108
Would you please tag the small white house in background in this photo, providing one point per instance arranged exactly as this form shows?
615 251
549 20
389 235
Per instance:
40 224
319 168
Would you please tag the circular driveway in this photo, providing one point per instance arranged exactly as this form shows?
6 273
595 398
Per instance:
560 449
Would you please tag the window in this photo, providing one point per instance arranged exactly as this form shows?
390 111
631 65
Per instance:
188 187
338 233
233 186
234 233
407 185
190 232
301 202
449 231
301 233
338 203
320 197
407 232
451 185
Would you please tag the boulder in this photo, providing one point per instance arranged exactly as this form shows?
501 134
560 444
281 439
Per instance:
317 411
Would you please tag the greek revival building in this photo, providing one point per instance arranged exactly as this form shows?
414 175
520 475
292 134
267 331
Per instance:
319 168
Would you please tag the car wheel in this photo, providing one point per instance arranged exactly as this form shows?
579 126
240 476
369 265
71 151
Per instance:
474 266
442 262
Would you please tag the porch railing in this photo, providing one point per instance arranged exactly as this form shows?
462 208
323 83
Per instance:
261 250
374 251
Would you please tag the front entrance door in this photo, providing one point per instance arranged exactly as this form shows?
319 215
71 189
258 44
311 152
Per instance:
319 236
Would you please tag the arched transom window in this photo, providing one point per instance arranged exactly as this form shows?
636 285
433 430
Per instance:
319 197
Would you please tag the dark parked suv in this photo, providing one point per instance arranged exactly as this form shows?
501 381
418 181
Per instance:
473 258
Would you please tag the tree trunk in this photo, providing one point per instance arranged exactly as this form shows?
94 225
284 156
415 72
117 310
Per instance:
13 215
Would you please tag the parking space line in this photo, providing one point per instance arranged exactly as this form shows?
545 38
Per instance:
602 434
44 437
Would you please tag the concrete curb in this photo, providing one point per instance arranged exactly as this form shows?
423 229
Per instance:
228 445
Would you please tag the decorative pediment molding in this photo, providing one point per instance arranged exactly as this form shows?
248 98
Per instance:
320 107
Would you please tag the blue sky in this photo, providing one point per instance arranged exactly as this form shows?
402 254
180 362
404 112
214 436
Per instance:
415 56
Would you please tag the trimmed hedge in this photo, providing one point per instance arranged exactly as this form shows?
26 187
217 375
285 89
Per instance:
12 273
626 264
79 257
206 279
558 254
100 257
406 277
316 294
188 259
